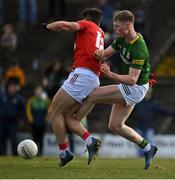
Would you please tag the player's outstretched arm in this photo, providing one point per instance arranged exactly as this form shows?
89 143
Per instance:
63 26
103 55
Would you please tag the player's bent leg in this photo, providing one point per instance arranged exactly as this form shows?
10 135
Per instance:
119 115
93 148
73 124
84 110
76 127
105 94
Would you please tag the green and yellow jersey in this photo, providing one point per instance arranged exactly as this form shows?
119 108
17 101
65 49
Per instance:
36 109
134 54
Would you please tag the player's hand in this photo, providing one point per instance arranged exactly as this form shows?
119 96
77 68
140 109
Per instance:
105 69
99 55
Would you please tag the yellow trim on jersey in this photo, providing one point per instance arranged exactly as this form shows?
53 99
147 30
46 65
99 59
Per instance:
138 62
134 39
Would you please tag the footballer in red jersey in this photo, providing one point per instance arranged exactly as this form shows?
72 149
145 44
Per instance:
80 83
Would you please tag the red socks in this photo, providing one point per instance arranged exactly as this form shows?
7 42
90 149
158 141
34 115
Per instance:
63 146
85 135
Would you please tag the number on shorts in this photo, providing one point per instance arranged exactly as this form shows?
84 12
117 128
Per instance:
73 79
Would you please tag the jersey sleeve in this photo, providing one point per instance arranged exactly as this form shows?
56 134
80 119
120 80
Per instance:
83 24
115 43
138 58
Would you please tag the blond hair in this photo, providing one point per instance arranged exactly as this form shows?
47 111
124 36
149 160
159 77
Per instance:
124 16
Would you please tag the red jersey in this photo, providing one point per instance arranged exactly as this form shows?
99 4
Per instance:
89 38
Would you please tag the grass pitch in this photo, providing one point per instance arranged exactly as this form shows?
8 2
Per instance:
101 168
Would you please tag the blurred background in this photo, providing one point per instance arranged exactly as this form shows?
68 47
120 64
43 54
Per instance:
34 63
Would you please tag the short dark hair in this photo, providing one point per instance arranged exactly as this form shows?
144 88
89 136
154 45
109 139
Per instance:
124 16
92 14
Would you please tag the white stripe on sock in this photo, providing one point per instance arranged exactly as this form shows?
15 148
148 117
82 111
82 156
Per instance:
147 147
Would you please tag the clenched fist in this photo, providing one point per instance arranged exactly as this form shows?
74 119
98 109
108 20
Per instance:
99 55
105 69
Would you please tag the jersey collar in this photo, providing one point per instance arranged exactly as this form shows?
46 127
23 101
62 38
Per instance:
134 39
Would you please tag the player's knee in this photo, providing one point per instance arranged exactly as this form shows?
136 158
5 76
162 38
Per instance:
77 117
51 114
71 124
115 128
68 122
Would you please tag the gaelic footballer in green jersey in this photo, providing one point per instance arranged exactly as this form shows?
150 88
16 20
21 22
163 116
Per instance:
131 86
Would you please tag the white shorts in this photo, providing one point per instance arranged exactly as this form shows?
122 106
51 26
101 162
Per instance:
80 83
133 94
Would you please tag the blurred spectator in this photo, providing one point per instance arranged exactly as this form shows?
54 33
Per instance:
140 25
15 73
11 110
1 12
107 20
8 42
145 116
53 9
36 109
28 11
1 81
35 65
55 75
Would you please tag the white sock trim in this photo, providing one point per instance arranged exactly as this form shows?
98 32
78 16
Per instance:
61 152
147 147
88 140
